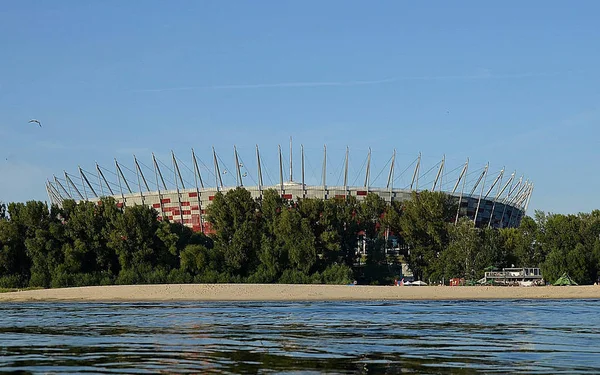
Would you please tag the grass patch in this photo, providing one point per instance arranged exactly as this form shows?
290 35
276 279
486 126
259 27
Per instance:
8 290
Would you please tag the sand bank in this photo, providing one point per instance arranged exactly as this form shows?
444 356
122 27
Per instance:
281 292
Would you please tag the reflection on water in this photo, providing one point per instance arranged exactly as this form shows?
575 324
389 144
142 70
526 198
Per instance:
544 337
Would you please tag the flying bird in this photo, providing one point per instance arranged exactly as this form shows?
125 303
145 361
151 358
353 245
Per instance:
36 121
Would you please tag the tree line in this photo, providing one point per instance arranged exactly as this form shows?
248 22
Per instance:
272 239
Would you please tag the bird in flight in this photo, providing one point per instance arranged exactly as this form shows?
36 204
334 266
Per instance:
36 121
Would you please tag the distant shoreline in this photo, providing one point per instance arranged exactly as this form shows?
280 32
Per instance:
288 292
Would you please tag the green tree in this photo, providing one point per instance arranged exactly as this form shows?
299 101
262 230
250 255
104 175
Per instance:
554 265
236 220
578 263
271 254
424 225
135 242
42 235
370 216
294 235
459 259
14 262
493 251
196 259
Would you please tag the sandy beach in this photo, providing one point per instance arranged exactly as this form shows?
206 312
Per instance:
282 292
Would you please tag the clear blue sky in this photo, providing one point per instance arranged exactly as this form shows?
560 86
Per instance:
514 83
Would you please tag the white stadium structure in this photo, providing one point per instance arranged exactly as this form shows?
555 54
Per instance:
489 199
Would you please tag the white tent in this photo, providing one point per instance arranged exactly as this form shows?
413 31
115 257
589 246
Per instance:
419 283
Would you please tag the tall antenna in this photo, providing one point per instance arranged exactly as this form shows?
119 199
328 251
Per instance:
415 179
160 197
280 168
99 181
157 170
324 166
439 174
53 194
62 188
504 203
218 179
368 171
462 190
303 182
498 192
346 171
69 182
119 176
528 198
197 174
291 174
462 173
390 181
238 176
481 193
498 178
260 179
177 172
87 182
104 178
83 184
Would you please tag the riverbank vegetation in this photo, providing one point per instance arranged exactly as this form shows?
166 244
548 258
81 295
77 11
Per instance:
276 240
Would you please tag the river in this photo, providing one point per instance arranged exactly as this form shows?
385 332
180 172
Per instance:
509 336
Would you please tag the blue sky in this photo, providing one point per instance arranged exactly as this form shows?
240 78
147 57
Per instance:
514 83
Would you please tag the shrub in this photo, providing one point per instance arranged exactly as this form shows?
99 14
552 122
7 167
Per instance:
291 276
262 276
11 281
179 276
157 276
40 279
107 278
338 274
207 277
128 277
61 278
84 279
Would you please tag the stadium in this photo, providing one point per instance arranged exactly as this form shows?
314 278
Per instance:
181 192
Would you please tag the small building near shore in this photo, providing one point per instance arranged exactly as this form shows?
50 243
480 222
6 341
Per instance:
515 276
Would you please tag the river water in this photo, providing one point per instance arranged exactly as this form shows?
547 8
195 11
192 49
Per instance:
540 337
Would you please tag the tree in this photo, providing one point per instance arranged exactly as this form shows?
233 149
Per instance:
370 216
36 225
424 225
561 232
555 265
460 257
493 251
14 262
87 250
236 220
294 236
578 264
347 227
134 240
195 259
271 254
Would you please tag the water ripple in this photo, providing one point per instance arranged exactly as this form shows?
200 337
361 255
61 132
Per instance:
521 337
